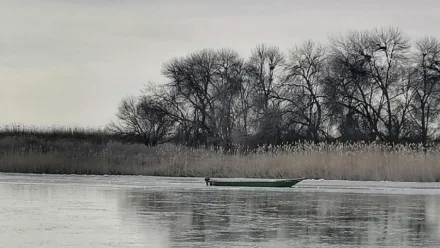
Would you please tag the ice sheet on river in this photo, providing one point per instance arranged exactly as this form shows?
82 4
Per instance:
60 211
385 187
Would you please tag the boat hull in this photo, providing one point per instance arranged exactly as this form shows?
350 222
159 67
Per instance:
256 183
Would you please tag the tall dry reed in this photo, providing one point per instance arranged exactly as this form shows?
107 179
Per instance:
32 154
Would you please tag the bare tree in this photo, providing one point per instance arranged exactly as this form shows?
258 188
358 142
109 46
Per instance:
425 85
243 105
302 88
390 49
142 119
349 95
228 85
206 84
191 81
262 68
370 80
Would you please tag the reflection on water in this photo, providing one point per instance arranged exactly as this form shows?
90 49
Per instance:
318 219
102 212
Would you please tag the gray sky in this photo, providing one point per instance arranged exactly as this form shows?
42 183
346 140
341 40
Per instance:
70 62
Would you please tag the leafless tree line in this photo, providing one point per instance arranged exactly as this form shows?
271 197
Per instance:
366 85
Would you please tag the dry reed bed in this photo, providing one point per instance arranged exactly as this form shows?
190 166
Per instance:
329 161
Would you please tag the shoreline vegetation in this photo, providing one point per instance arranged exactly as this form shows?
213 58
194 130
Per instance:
363 106
81 151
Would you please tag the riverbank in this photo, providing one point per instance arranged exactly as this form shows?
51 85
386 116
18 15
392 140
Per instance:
328 161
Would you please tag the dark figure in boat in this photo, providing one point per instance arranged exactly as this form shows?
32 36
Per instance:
207 180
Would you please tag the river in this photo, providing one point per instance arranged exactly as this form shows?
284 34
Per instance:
134 211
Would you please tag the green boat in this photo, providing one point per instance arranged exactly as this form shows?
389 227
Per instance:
253 182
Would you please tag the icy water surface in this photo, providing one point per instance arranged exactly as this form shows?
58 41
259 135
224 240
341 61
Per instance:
132 211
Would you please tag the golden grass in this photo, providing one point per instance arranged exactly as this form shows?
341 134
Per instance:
329 161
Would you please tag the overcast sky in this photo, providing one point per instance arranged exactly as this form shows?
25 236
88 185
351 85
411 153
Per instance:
70 62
